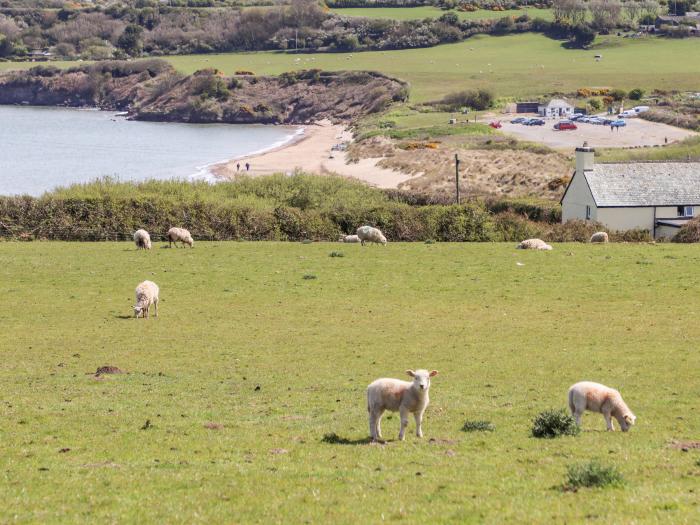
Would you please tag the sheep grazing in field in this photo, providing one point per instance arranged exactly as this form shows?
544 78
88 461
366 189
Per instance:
533 244
402 396
146 295
595 397
599 237
182 235
142 240
370 234
349 238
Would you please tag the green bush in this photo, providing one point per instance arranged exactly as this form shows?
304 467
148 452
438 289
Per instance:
635 94
554 423
592 474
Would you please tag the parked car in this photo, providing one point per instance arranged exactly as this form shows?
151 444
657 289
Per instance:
534 122
640 109
596 120
518 120
496 124
628 114
618 123
565 125
576 116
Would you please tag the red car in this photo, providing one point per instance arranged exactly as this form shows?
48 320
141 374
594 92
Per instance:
496 124
564 125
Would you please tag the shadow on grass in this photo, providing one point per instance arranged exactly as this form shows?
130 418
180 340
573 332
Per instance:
334 439
123 316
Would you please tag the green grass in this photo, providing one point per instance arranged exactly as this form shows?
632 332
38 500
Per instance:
245 342
419 13
511 66
688 149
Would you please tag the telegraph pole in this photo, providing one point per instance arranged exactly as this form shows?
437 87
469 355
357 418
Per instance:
457 177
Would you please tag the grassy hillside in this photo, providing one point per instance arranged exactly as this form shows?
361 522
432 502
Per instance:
418 13
231 390
512 66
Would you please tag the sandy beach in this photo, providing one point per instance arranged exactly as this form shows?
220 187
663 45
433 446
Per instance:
311 152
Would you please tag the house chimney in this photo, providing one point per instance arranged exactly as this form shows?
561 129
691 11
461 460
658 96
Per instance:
585 158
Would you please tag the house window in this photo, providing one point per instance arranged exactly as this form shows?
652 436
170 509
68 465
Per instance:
588 213
685 211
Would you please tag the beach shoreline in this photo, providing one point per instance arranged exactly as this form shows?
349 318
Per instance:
311 151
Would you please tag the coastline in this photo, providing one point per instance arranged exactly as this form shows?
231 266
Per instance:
310 150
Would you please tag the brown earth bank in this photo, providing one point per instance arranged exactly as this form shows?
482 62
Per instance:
153 90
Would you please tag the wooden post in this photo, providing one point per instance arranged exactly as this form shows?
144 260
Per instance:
457 177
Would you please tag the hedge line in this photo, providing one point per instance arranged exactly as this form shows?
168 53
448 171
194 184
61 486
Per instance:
106 218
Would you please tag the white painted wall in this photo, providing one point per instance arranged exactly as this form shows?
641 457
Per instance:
627 218
577 197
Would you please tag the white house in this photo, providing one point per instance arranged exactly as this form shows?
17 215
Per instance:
655 196
556 107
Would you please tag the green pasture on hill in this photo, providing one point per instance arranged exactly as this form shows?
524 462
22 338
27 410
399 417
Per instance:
221 415
525 65
419 13
512 66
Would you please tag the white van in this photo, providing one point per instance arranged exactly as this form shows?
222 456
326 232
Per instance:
640 109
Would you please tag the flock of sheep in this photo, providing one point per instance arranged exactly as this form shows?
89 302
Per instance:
412 397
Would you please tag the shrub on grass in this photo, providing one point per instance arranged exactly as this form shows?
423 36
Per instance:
309 277
689 232
478 426
592 474
554 423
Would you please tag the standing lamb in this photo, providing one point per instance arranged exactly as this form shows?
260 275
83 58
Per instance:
370 234
349 238
146 295
599 237
533 244
595 397
402 396
142 240
179 234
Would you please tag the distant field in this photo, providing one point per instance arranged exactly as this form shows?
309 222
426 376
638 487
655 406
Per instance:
229 393
512 66
419 13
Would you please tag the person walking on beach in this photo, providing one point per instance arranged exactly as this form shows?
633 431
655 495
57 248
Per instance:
247 166
238 166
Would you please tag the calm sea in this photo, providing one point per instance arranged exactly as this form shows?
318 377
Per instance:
42 148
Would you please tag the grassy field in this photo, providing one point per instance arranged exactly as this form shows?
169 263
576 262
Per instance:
231 390
419 13
512 66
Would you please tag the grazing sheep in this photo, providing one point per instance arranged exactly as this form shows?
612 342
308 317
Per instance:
595 397
599 237
349 238
146 295
370 234
142 240
179 234
533 244
404 396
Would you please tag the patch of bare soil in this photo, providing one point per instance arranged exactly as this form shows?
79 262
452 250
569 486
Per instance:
685 445
213 426
104 370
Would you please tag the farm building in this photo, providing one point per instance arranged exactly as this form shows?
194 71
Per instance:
556 107
527 107
655 196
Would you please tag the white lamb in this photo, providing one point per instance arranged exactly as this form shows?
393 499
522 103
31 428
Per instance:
370 234
142 240
533 244
182 235
599 237
595 397
402 396
146 295
349 238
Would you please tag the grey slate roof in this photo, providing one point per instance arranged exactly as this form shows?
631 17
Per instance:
645 184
